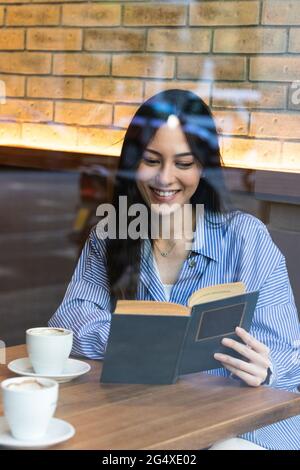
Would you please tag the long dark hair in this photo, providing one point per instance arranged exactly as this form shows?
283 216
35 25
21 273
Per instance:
124 255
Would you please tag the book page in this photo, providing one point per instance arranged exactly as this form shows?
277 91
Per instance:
149 307
220 291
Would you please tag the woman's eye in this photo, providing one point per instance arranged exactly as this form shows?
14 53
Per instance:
150 161
184 165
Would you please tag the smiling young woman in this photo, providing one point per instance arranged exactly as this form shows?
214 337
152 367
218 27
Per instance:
171 159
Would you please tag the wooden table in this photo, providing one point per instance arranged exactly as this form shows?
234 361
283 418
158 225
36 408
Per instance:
191 414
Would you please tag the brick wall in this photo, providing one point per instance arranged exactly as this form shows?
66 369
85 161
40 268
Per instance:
74 71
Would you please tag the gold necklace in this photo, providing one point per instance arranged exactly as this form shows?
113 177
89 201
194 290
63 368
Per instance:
190 258
164 254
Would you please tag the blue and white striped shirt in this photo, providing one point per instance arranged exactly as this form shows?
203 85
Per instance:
240 249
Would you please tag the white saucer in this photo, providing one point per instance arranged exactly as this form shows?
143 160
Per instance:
58 431
73 369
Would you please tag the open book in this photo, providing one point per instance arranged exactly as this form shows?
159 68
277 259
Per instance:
155 342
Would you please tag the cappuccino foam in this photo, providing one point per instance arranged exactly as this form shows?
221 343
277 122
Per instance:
27 385
48 332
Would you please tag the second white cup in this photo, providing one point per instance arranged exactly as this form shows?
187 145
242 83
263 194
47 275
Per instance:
48 349
29 405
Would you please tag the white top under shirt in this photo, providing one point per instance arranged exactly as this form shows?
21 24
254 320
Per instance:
167 289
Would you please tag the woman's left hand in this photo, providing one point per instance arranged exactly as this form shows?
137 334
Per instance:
254 369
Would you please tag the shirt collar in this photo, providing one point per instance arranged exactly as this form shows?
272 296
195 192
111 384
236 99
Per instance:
208 237
209 234
149 275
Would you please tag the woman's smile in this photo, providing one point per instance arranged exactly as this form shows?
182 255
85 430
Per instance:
164 195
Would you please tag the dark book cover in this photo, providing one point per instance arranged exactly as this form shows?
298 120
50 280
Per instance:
143 349
156 349
210 322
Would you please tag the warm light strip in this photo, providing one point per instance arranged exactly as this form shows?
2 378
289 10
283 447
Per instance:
232 155
97 150
91 149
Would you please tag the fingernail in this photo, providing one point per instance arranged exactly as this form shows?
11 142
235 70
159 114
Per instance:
217 356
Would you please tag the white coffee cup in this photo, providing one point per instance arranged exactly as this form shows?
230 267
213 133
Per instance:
48 349
29 404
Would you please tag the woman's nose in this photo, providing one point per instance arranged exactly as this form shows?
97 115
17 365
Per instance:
165 175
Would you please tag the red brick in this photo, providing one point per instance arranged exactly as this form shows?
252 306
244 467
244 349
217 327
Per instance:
277 125
32 15
158 14
81 64
54 39
211 67
83 114
123 115
120 39
250 153
25 62
54 87
179 40
14 85
224 13
290 158
137 65
113 90
26 110
92 14
275 69
49 136
12 38
249 95
202 89
250 40
294 45
105 141
281 12
233 123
